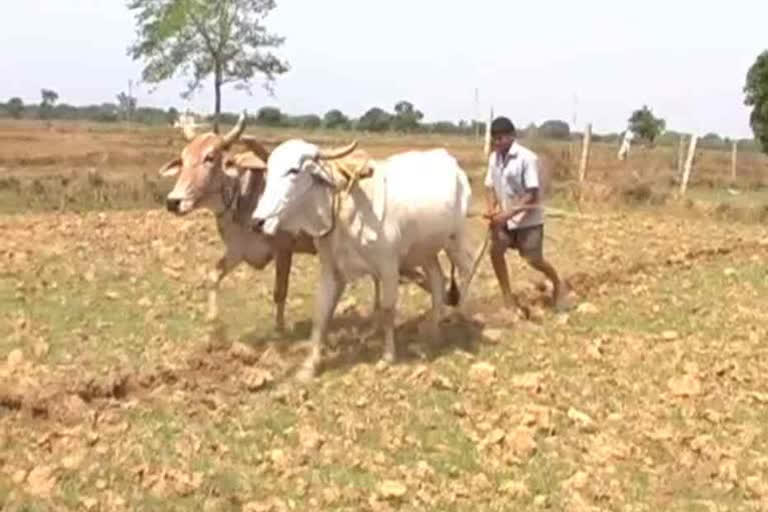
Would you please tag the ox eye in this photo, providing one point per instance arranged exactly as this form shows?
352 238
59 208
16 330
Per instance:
208 158
293 171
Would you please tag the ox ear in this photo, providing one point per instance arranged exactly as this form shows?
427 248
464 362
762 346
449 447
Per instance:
249 160
236 165
170 169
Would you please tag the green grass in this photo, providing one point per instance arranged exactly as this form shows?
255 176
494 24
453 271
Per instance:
377 423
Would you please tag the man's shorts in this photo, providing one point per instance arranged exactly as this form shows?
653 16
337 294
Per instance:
527 241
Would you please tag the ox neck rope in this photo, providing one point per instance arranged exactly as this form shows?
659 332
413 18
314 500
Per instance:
336 193
229 197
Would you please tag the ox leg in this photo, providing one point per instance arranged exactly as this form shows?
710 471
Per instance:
389 289
283 260
330 288
436 284
376 295
223 267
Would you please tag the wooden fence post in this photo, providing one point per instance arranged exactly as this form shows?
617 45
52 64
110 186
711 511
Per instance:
487 143
734 156
680 154
688 165
584 157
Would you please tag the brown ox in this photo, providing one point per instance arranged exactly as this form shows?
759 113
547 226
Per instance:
230 186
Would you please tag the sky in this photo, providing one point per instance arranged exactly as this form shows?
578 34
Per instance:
592 61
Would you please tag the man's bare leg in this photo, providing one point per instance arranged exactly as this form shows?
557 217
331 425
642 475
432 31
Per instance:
559 302
499 264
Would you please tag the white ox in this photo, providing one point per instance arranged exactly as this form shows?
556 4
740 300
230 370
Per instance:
414 205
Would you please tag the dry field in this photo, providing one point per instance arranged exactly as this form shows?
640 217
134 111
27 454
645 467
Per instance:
115 394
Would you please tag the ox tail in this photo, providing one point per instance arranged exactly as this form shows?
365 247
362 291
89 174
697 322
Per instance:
454 295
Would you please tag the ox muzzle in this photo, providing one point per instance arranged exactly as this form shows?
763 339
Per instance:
173 205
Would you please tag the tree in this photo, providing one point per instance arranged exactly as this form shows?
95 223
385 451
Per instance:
270 116
756 91
220 38
375 120
49 97
645 125
335 119
15 107
310 121
127 105
406 117
172 116
554 129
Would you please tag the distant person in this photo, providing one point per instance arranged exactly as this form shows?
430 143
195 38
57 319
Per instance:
514 211
626 142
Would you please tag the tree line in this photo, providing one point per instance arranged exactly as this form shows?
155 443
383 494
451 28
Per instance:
404 118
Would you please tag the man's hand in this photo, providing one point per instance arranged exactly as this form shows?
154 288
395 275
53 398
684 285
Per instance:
496 218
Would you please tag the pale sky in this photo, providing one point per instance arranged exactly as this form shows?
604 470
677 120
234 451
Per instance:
686 59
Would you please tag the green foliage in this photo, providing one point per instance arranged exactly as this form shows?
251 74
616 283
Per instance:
406 117
224 39
172 116
756 96
375 120
15 108
712 141
270 116
554 129
645 125
335 119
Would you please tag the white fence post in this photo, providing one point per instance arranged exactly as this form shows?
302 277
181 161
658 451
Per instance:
688 165
584 157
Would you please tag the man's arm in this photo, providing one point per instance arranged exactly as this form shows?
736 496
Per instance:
525 202
491 201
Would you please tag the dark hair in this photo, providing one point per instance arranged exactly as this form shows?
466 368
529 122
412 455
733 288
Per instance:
502 126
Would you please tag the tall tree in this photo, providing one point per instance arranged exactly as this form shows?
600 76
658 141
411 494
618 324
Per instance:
756 91
49 98
375 120
127 105
15 107
335 118
224 39
406 117
645 125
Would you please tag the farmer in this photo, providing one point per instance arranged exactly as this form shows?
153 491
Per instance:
514 211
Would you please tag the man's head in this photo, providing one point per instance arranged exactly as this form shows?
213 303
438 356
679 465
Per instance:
502 134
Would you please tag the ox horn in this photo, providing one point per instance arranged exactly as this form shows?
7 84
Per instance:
332 154
189 132
234 133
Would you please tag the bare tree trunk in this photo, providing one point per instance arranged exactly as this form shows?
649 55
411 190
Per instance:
217 107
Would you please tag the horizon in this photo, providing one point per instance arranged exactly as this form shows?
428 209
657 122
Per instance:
567 72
